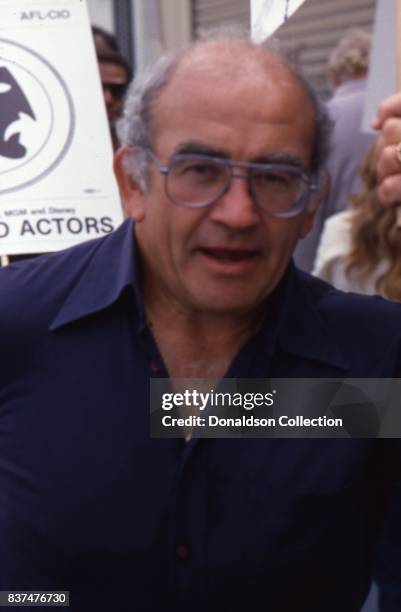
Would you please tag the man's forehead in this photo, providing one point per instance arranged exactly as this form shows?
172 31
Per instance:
234 70
229 80
231 59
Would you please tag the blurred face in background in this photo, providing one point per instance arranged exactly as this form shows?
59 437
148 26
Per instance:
114 82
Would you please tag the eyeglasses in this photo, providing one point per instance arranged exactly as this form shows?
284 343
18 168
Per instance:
196 181
117 90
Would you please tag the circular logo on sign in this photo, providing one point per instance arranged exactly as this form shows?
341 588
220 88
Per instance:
36 117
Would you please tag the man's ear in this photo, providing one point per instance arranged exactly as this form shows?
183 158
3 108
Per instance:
131 193
316 200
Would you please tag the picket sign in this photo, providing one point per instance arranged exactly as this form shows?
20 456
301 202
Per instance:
57 186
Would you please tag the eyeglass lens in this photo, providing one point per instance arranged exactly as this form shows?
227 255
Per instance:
198 182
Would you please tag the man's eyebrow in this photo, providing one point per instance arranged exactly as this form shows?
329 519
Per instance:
199 148
290 159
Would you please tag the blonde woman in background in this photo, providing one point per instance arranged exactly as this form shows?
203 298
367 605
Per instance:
360 249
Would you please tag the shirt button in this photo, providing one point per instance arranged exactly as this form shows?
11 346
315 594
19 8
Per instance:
182 552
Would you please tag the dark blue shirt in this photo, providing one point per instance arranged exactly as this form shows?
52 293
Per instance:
91 504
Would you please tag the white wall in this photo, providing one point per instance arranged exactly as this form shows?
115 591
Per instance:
101 13
160 25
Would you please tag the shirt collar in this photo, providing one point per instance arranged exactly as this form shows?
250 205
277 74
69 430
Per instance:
111 268
293 319
303 331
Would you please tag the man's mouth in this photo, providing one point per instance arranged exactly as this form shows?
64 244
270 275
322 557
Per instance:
229 261
228 255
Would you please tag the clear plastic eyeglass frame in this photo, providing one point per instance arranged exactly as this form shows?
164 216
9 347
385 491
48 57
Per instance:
298 203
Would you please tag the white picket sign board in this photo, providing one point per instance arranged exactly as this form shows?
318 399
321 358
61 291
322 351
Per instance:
57 186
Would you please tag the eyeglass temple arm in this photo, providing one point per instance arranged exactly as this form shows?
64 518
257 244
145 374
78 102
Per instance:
162 169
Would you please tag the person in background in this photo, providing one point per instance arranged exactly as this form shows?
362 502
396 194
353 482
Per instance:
360 249
115 75
347 70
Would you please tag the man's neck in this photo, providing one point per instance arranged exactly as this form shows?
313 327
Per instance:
198 344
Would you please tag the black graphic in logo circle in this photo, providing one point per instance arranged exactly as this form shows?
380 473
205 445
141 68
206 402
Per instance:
37 117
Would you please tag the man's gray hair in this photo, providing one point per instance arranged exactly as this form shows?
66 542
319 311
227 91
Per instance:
134 128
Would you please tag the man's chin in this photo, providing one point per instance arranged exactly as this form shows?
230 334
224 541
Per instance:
223 304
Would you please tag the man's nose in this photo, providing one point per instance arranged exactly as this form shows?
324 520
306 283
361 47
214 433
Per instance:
236 208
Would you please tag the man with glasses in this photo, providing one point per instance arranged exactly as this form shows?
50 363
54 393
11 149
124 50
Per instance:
221 170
